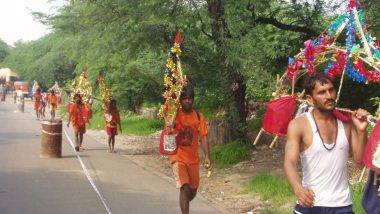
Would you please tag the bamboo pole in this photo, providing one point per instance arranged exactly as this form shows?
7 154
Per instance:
273 142
257 137
361 32
340 87
362 174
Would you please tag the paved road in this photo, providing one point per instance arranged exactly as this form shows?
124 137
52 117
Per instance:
30 184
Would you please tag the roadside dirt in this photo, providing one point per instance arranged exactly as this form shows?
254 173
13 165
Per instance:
226 187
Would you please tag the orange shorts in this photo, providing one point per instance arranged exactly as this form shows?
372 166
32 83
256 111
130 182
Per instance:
53 106
37 106
186 174
80 128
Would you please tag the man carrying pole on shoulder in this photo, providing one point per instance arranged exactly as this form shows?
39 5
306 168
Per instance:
323 143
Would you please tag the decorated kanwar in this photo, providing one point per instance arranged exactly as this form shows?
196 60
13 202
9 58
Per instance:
111 114
323 137
184 128
78 108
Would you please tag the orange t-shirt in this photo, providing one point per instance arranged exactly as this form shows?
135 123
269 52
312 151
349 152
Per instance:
53 100
189 154
77 113
37 100
115 118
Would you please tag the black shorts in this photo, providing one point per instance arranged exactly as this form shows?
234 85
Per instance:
323 210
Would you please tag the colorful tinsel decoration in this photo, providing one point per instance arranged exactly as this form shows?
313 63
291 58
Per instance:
105 93
174 81
361 50
82 86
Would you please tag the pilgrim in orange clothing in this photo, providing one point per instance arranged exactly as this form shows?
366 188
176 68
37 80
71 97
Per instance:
191 128
53 102
77 115
112 121
37 103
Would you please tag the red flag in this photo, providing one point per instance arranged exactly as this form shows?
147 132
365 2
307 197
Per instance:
278 114
178 38
370 149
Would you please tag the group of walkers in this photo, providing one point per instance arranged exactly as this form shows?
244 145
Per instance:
318 139
190 125
41 100
80 114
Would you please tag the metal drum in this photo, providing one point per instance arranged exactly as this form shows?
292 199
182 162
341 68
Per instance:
51 139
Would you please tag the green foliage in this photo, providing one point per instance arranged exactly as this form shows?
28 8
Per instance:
271 210
274 188
130 122
4 50
128 41
357 193
41 60
230 153
254 124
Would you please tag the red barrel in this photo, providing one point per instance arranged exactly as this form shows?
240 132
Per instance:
51 139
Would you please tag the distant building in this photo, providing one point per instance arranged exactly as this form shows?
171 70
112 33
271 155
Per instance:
7 75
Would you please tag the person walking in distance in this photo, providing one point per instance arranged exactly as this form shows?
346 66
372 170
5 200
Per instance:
53 103
191 127
323 144
77 117
112 122
38 103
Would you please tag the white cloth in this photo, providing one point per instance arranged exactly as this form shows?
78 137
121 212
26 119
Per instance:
324 171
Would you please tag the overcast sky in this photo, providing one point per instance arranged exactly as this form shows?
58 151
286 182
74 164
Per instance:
16 21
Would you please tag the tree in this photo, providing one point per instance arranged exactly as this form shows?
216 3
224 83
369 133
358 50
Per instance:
4 50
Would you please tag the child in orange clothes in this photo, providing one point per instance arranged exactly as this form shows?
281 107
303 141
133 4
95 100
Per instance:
53 102
191 127
112 121
77 115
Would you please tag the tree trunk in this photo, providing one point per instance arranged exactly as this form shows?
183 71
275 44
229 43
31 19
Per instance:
233 82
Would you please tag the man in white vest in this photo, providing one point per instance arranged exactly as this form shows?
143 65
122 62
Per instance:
323 144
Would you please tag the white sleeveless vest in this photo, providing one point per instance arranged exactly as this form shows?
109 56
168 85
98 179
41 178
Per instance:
325 172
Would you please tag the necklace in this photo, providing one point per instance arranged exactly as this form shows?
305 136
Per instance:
323 143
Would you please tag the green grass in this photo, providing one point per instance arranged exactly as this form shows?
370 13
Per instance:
131 123
357 193
254 124
230 153
276 189
62 111
273 188
271 210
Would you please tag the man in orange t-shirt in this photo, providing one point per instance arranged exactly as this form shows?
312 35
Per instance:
77 115
112 121
37 103
53 102
191 127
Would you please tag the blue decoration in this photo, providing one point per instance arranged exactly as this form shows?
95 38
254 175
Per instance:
329 66
336 24
291 60
377 54
353 74
350 39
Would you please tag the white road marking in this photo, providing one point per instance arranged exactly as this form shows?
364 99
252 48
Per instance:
89 178
88 174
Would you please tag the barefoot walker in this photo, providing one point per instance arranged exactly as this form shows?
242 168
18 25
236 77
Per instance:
323 144
112 121
191 127
77 115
